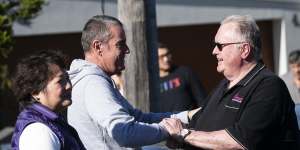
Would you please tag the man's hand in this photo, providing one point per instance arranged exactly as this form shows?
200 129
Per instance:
173 126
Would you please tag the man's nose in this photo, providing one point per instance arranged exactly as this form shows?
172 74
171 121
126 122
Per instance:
68 85
215 50
165 58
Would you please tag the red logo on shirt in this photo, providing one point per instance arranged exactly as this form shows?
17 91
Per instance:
176 82
170 84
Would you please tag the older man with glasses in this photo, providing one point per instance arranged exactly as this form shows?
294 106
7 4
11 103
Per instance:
292 80
251 108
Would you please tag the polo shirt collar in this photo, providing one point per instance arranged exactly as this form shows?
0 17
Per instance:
259 66
45 111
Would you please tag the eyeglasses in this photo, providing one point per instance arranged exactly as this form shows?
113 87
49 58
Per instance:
220 46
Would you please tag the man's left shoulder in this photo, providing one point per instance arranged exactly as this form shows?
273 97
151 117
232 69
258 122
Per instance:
268 74
267 77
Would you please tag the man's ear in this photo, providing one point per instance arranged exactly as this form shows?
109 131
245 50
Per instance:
245 51
98 47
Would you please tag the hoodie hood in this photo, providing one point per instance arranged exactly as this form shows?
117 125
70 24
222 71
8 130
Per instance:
81 68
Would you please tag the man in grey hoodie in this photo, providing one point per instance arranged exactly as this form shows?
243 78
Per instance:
102 117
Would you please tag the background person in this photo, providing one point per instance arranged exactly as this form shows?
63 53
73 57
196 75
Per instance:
43 89
292 80
180 89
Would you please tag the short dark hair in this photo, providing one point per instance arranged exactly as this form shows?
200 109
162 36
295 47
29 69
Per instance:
161 45
97 27
33 73
294 57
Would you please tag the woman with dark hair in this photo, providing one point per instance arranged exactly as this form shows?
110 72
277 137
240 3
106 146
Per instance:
43 90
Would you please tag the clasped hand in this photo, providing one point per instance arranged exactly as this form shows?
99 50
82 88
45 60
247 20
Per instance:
173 126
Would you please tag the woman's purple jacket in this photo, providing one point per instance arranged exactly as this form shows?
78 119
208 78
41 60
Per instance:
66 134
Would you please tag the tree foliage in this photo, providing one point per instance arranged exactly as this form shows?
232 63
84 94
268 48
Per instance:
11 11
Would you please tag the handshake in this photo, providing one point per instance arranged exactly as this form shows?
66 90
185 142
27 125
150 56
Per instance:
177 130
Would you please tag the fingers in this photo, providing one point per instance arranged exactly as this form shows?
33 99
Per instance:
173 126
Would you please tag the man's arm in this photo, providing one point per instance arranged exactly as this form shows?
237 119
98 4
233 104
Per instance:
114 114
209 140
212 140
184 116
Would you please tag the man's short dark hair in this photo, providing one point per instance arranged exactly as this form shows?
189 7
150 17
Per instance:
97 28
163 45
294 57
33 73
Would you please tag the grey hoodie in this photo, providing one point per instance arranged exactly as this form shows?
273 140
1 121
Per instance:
103 118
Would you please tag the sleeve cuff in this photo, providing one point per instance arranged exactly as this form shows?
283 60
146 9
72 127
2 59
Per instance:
164 132
230 132
183 116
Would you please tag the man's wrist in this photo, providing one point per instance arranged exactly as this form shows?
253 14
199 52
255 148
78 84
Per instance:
183 134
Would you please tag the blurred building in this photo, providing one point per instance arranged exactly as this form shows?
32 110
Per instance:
187 26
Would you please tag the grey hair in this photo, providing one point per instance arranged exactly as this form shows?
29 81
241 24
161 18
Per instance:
249 32
97 28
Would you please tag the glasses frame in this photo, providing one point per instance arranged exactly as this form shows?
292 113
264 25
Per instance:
220 46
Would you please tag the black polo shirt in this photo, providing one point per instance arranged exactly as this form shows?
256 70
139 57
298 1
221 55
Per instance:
257 112
180 90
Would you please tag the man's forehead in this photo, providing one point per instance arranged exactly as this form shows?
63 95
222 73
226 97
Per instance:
117 30
163 50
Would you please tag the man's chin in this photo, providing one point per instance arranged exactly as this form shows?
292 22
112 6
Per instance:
166 68
220 70
119 70
66 102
